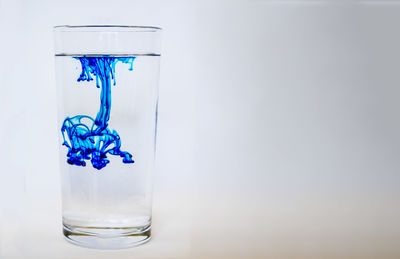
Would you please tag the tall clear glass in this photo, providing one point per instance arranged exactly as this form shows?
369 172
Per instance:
107 87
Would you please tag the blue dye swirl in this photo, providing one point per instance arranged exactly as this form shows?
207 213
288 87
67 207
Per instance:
91 139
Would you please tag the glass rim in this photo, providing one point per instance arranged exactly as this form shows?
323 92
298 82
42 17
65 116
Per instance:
133 28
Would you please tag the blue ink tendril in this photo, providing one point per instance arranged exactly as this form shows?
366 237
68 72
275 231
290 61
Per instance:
89 139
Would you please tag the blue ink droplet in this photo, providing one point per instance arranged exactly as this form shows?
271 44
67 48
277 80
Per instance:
91 139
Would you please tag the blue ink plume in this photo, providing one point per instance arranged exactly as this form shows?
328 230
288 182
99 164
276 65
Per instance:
91 139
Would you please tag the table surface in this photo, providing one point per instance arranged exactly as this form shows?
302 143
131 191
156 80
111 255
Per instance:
228 225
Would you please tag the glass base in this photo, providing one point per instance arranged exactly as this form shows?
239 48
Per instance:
106 238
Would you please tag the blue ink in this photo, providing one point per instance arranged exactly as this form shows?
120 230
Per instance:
89 139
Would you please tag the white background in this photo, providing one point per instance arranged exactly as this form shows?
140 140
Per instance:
279 128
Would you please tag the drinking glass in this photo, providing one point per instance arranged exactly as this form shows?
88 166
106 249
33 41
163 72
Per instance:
107 95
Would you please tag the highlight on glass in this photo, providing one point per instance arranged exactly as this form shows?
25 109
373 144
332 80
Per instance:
107 95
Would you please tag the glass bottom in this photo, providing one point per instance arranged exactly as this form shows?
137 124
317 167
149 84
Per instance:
106 238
